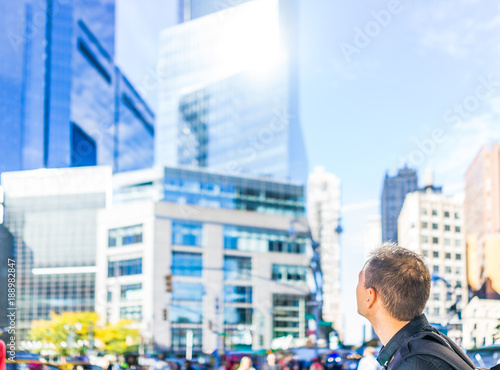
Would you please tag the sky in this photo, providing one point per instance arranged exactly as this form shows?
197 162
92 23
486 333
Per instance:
382 83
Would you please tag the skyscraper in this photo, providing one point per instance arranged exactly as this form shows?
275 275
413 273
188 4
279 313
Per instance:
482 218
192 9
63 102
323 214
228 96
393 196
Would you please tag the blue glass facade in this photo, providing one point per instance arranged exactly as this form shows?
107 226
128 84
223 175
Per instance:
229 96
393 196
64 103
215 190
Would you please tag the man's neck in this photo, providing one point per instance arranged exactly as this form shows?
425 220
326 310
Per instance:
386 327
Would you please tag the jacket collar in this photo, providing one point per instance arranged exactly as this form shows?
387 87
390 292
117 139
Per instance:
414 326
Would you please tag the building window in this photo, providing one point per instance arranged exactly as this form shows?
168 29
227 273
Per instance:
434 226
447 241
424 225
125 236
447 269
457 229
447 228
186 264
457 216
289 273
423 211
187 233
447 256
435 297
131 292
435 254
458 270
186 314
435 240
179 336
435 269
458 257
125 267
237 268
446 214
458 243
436 311
250 239
434 212
425 239
237 294
110 296
131 313
459 284
83 148
425 253
182 291
237 316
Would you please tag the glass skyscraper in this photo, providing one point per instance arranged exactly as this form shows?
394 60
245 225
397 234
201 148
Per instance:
64 103
393 197
228 96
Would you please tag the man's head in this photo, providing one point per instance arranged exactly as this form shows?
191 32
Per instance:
396 280
271 359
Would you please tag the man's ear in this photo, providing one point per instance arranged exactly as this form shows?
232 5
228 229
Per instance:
371 298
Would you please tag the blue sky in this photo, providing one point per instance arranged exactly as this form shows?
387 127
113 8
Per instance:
420 88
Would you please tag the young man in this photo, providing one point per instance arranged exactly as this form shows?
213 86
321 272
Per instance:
393 288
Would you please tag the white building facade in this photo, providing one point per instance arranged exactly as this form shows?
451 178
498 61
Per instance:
481 318
231 278
431 224
323 214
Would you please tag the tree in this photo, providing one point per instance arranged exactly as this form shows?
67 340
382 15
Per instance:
75 332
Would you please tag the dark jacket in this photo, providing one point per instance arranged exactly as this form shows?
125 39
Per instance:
416 362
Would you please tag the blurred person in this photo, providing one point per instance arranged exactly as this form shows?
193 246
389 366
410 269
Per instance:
369 362
271 363
246 364
316 364
393 289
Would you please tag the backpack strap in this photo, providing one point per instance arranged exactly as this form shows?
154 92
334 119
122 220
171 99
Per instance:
431 343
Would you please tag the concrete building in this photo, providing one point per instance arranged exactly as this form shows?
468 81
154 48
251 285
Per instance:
52 217
393 195
482 218
323 214
184 251
481 318
431 224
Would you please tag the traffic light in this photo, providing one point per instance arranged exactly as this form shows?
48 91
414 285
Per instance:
165 314
168 283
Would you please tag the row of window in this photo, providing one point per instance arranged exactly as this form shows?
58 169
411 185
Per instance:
435 240
447 255
446 214
447 269
193 314
236 238
435 226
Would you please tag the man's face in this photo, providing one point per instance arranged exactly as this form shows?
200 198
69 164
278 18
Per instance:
271 359
361 294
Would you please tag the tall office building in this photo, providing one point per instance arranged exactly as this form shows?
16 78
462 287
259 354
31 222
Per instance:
192 9
393 196
228 96
52 216
64 103
186 250
482 220
431 224
323 214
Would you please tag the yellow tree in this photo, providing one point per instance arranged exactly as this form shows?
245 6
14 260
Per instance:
76 332
69 332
